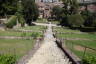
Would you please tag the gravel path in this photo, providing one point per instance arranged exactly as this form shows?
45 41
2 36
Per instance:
48 53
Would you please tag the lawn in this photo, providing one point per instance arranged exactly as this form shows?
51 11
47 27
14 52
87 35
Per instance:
40 20
64 29
11 49
73 33
34 28
78 46
38 30
22 34
17 47
86 36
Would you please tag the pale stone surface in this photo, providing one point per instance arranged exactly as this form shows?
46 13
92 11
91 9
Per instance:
49 53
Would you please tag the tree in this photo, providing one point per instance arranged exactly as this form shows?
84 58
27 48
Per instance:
75 20
8 7
30 11
19 14
57 12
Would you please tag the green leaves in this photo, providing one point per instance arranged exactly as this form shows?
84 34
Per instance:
31 12
7 59
75 20
89 60
8 6
12 21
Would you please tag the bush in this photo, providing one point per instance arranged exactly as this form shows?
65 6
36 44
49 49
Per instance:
35 34
23 34
75 20
89 60
21 21
7 59
11 22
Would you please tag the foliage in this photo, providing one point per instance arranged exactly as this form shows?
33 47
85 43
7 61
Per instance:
90 18
57 12
89 60
35 34
75 20
8 7
11 22
7 59
30 11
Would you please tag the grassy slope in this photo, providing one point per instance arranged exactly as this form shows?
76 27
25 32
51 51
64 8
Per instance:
19 47
91 43
34 28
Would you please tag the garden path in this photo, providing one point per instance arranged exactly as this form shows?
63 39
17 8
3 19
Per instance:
49 53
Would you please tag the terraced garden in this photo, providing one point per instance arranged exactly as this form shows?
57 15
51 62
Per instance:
13 49
80 43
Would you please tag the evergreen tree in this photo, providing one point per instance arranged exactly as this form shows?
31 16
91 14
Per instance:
31 12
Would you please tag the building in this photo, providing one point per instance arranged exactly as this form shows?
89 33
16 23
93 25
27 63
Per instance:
45 7
90 4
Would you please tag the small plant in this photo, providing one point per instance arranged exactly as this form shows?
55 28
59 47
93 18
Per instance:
23 34
7 59
89 60
11 22
35 35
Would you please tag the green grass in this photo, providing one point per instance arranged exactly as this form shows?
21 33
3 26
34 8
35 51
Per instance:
91 44
69 34
80 51
18 47
65 29
54 22
40 20
86 36
77 46
34 28
13 33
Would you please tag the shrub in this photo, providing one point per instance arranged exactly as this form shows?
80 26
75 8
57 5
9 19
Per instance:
35 34
21 21
11 22
75 20
7 59
89 60
23 34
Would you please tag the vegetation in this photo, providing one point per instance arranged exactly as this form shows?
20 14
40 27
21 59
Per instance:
12 21
70 16
78 46
30 11
8 7
7 59
75 20
15 47
25 10
57 12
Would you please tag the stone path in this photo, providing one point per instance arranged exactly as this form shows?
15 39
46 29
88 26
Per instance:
49 53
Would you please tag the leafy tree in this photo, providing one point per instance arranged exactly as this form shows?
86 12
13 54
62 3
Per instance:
75 20
89 18
30 11
8 7
19 13
57 12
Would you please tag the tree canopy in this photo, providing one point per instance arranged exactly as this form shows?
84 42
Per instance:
30 11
